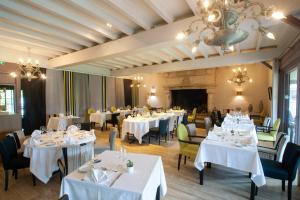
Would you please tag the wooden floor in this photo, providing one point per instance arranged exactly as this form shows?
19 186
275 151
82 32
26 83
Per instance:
219 182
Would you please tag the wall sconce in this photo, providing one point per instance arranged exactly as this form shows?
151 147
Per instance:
239 93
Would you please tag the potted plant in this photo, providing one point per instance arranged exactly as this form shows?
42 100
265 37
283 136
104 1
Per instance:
130 168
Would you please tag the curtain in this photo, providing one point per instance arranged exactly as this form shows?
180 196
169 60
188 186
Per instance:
69 93
120 98
95 90
127 92
55 99
110 92
81 94
34 104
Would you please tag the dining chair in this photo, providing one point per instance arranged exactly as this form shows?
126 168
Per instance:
11 160
112 142
85 126
64 197
265 127
192 117
113 109
161 131
187 147
172 125
120 120
277 152
271 135
285 170
207 124
113 120
184 119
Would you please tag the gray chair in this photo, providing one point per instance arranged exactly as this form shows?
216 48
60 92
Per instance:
207 123
112 142
277 152
191 128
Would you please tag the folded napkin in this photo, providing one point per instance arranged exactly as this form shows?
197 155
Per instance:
72 128
36 133
102 177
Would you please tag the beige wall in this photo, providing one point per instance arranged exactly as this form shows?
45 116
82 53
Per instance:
220 93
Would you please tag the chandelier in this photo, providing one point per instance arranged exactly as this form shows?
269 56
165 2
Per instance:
218 22
29 69
240 76
138 82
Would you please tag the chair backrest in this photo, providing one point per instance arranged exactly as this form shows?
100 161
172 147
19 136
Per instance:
112 138
184 119
276 124
207 123
164 126
291 159
64 197
267 122
113 109
85 126
279 137
281 146
91 110
172 122
182 133
194 112
16 138
191 128
8 150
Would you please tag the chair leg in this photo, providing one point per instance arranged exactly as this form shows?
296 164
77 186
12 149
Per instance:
184 159
252 192
179 160
290 190
250 174
165 138
283 185
6 180
33 180
16 174
148 138
159 139
201 174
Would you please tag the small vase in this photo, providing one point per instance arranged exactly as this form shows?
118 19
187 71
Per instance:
130 170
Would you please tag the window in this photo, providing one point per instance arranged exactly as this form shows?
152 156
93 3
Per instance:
7 98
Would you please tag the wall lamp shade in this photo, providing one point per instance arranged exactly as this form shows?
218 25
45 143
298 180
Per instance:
239 93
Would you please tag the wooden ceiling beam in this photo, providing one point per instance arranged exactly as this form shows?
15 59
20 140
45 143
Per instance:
293 21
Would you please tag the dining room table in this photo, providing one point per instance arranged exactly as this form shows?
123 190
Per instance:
233 145
178 113
107 177
101 117
45 149
61 123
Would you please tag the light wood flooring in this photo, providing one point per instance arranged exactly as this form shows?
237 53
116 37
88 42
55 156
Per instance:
219 182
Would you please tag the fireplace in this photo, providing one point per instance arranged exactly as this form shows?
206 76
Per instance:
189 99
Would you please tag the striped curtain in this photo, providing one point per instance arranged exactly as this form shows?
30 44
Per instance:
103 94
69 93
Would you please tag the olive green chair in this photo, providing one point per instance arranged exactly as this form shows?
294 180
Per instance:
113 109
271 135
192 117
188 147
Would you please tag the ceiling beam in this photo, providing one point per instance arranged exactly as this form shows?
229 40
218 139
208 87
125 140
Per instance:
139 60
203 50
24 38
103 14
38 35
143 56
13 56
46 29
116 63
265 63
293 21
258 40
172 53
130 9
158 9
154 38
121 59
49 19
216 61
193 5
65 11
162 55
151 56
88 69
181 47
102 65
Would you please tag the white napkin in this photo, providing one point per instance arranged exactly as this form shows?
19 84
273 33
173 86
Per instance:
36 133
61 115
72 128
108 112
103 177
98 111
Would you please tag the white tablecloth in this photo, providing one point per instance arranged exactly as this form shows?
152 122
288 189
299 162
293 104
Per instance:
236 150
61 123
178 113
98 117
138 126
45 150
142 184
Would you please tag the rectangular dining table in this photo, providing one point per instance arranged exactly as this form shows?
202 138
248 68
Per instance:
234 149
147 182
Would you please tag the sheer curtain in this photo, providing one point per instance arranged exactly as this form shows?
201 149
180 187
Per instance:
110 92
81 94
120 97
95 90
55 99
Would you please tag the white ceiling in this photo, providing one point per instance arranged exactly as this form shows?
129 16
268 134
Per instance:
73 35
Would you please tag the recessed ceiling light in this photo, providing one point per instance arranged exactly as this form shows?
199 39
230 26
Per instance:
108 25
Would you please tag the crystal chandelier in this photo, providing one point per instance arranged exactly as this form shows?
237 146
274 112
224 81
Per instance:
138 82
218 22
240 76
29 69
